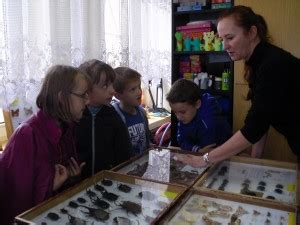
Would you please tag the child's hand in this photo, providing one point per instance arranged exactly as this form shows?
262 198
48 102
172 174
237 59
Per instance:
61 175
73 168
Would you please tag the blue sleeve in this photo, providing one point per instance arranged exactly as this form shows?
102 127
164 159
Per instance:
184 142
207 137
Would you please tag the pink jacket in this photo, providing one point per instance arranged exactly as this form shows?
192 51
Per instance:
27 164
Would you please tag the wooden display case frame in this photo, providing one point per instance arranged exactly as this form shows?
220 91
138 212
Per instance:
27 216
254 161
171 149
171 212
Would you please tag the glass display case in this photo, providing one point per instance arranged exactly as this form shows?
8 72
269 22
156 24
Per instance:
206 208
158 164
259 178
106 198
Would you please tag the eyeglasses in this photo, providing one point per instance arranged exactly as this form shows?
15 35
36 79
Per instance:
83 96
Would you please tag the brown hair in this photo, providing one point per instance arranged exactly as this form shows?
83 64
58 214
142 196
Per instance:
184 91
246 18
124 75
95 69
60 79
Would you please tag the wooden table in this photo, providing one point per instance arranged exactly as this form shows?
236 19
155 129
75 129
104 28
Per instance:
156 122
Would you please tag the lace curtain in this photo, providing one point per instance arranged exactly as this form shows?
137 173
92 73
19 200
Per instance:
36 34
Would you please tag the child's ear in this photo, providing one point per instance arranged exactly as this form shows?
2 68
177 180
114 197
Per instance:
198 104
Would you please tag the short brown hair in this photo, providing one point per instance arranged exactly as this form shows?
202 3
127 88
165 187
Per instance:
59 79
125 75
184 91
95 68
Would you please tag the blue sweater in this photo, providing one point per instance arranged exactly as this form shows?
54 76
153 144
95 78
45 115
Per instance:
207 127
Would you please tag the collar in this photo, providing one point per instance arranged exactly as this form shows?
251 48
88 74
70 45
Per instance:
257 55
94 109
49 126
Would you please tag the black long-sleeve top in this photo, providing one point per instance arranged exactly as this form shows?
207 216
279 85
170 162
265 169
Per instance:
111 140
276 95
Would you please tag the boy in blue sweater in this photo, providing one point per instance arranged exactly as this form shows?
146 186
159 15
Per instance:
200 120
128 91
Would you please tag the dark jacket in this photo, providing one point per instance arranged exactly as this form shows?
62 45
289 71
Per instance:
27 166
276 98
109 136
207 127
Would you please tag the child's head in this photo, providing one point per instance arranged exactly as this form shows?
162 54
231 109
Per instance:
184 99
102 76
128 86
63 95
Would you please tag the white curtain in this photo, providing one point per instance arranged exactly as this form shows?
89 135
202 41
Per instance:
36 34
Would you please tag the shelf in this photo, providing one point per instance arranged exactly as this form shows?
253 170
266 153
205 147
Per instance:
203 11
212 62
200 52
215 92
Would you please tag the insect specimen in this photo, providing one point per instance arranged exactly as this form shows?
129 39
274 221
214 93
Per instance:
122 221
63 211
99 202
106 182
223 185
105 194
124 188
90 193
53 216
81 200
261 188
209 221
131 207
212 182
98 214
76 221
262 183
73 204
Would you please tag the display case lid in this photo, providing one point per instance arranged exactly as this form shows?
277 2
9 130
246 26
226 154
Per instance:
256 178
200 207
158 164
107 197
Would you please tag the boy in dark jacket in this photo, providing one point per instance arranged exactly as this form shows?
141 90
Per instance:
200 120
102 138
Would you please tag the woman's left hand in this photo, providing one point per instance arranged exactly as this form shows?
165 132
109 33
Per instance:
73 168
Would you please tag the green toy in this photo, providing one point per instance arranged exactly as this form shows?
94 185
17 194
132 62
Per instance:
217 45
179 38
208 37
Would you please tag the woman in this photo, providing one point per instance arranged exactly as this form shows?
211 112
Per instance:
273 83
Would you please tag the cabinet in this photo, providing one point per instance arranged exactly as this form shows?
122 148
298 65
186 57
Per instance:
190 61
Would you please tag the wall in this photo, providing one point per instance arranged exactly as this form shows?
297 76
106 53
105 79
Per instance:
283 19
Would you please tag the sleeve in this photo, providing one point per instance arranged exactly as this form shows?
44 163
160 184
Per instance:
19 174
122 143
184 141
267 98
83 145
208 138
